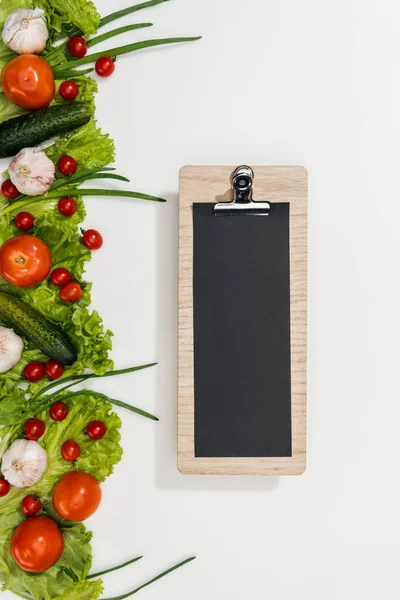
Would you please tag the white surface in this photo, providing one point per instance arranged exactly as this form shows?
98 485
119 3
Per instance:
310 83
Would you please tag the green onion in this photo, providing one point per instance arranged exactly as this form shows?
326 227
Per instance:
128 11
121 50
73 193
185 562
105 36
71 73
84 377
130 562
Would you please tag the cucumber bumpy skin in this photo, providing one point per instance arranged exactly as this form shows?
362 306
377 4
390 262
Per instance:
49 338
36 127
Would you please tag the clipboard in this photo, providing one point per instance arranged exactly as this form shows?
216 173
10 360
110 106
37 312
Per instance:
242 347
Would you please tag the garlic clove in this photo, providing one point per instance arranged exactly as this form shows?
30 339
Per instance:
11 347
25 31
32 172
24 463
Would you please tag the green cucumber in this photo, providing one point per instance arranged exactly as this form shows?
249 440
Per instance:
36 127
49 338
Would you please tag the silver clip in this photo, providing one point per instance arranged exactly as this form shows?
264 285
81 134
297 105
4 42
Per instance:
242 185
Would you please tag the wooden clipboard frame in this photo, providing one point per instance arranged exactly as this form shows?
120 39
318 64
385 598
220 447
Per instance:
274 184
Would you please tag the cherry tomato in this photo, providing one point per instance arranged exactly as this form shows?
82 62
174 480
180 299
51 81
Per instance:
105 66
70 451
24 221
54 369
67 207
9 190
60 277
37 544
28 81
77 47
72 292
24 261
92 239
67 165
59 411
34 429
4 487
96 430
31 505
69 90
34 371
76 496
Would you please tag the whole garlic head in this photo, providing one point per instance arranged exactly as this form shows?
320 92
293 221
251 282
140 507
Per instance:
25 31
24 463
32 172
11 346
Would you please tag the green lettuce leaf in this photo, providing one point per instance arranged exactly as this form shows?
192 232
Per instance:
82 14
88 145
84 590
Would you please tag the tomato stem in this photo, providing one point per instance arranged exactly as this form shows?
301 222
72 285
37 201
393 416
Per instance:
125 564
178 566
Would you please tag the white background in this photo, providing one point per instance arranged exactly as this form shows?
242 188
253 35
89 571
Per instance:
271 83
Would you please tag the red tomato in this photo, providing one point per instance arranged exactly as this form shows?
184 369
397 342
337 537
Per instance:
9 190
54 369
77 46
92 239
67 207
69 90
70 451
28 81
67 165
105 66
96 430
31 505
37 544
76 496
25 261
60 277
34 371
72 292
4 487
34 429
59 411
24 221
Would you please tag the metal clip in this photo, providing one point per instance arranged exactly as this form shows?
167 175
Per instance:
242 185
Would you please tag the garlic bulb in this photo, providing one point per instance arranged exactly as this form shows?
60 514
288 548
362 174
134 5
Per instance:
24 463
25 31
32 172
11 346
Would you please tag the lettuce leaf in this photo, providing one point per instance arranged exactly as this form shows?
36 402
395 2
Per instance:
82 14
65 579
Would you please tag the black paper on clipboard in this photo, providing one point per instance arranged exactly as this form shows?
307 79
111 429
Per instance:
241 293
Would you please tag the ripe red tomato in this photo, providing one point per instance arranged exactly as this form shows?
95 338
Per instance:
67 165
59 411
76 496
72 292
105 66
96 430
77 46
70 451
25 221
25 261
69 90
31 505
9 190
37 544
34 371
92 239
4 487
67 207
28 81
54 369
34 429
60 277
